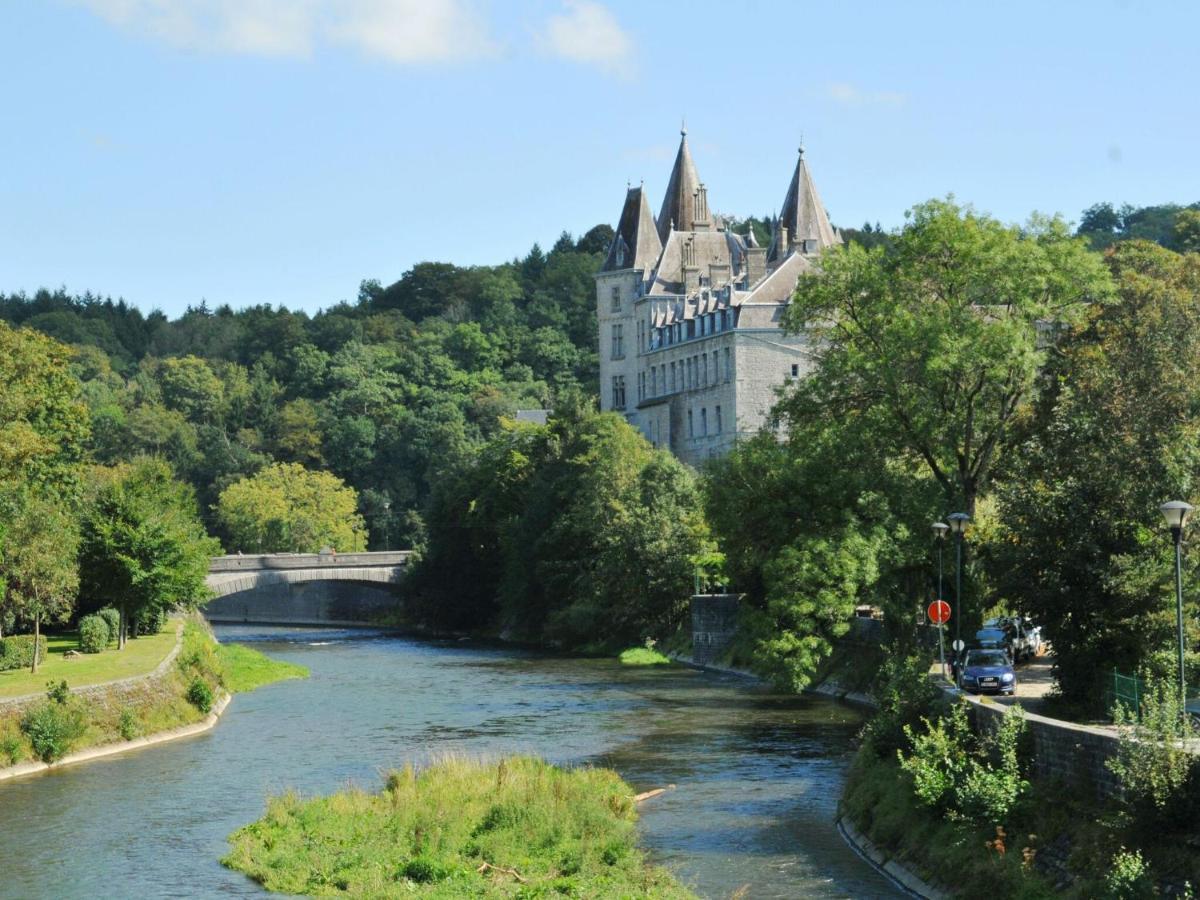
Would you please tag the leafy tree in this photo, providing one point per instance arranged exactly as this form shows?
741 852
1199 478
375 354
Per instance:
591 534
940 341
43 420
143 549
287 508
189 386
39 561
1187 231
1081 546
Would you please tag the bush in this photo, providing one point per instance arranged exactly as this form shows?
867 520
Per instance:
1128 877
93 634
200 695
1152 765
128 725
150 621
965 776
53 725
903 696
16 652
112 618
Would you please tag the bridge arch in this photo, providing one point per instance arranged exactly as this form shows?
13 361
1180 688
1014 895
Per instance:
306 589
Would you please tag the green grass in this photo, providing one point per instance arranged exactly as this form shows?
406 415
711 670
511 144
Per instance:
643 656
140 656
144 709
461 828
244 668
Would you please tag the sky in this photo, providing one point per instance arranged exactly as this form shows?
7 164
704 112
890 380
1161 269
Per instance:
280 151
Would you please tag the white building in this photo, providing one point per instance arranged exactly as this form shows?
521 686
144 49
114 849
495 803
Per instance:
691 347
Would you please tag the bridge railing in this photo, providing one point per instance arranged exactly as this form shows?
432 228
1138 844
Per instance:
259 561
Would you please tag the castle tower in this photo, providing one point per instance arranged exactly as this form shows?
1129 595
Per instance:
803 225
621 281
685 205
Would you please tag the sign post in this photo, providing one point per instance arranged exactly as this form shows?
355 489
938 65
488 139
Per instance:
939 615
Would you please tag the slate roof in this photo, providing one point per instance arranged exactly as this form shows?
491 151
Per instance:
636 244
679 203
803 215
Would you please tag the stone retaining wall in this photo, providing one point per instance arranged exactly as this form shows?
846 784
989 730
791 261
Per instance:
714 625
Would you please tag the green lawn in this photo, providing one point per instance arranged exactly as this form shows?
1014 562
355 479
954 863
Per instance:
140 655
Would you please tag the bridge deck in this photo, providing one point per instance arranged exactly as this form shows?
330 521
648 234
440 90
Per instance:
260 562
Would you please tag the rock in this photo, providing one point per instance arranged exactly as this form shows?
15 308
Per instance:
72 654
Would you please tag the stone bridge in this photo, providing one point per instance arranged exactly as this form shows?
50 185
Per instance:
306 588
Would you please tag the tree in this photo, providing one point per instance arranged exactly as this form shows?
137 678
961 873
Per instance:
287 508
39 562
1187 231
1082 547
43 420
940 340
143 549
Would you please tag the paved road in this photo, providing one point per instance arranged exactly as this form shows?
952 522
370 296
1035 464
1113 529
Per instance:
1034 681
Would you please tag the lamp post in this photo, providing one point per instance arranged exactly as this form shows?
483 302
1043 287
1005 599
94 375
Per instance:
958 524
1176 514
939 533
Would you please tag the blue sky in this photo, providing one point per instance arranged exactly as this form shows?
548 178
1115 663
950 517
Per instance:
279 151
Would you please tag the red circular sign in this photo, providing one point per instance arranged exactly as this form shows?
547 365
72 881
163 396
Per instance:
939 612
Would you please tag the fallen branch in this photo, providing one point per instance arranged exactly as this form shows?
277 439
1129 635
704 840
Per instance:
513 872
646 795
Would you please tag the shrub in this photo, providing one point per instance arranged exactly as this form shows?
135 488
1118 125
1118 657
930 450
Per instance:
904 695
150 621
10 748
128 725
112 618
53 725
1152 765
200 695
1128 877
16 652
93 634
965 776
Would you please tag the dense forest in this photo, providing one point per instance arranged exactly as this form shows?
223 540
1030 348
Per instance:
386 392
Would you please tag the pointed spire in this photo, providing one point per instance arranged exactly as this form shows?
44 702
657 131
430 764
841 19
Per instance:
685 202
636 244
803 218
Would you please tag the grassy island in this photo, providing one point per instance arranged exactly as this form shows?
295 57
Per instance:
644 656
519 827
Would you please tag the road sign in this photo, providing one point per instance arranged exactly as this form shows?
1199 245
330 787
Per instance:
939 612
958 645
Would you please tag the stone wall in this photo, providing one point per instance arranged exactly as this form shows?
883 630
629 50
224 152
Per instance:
1073 754
714 624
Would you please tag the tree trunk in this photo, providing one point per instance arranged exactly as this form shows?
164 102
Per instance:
121 628
37 622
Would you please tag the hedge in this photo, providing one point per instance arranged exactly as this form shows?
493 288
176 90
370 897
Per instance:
16 652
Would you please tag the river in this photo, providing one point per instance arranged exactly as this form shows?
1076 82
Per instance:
757 775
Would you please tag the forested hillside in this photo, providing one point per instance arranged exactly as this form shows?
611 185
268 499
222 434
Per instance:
385 392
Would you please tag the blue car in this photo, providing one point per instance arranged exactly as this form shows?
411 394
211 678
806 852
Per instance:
988 671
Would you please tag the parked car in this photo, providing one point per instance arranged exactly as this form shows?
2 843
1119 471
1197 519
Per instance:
988 671
1022 639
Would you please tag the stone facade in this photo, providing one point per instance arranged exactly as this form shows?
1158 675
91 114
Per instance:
692 351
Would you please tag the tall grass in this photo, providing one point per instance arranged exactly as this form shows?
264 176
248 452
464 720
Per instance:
517 827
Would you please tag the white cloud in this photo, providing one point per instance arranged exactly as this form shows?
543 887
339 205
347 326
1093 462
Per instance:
586 32
400 31
849 95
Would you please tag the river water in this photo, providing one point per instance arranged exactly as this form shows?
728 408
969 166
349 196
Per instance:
757 775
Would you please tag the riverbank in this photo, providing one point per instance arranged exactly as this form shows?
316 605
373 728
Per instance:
183 695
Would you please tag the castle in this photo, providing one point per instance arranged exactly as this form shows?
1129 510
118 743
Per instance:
691 346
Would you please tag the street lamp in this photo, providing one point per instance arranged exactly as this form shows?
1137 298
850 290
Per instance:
1176 513
958 524
939 533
